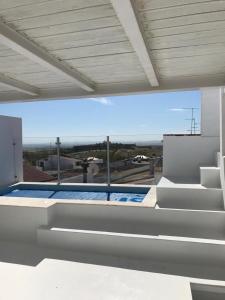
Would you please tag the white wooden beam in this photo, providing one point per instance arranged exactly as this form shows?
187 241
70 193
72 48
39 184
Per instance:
119 89
19 85
129 20
24 46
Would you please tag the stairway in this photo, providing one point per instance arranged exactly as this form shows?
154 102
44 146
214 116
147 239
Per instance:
187 227
188 196
156 248
204 196
176 237
210 177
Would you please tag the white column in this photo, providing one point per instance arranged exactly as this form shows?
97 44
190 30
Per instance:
222 122
210 111
222 141
11 151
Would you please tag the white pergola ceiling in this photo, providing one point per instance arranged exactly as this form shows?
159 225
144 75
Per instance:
74 48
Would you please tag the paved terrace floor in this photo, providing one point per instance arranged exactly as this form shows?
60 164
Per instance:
27 274
31 272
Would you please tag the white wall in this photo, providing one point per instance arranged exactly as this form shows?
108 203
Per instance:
210 112
21 222
183 155
11 162
140 220
51 163
222 141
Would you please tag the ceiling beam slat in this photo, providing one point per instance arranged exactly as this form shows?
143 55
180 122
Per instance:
27 48
129 20
19 85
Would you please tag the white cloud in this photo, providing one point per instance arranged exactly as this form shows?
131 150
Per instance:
143 125
102 100
176 109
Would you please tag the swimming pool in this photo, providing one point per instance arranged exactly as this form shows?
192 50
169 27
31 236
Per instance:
78 195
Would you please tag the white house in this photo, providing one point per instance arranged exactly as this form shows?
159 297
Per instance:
171 245
95 160
140 158
51 163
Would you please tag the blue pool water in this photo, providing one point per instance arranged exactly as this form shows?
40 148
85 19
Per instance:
78 195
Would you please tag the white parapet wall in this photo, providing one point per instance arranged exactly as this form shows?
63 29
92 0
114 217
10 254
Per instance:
183 155
11 151
210 111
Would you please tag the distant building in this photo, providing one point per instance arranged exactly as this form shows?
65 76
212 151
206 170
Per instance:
32 174
51 162
141 158
95 160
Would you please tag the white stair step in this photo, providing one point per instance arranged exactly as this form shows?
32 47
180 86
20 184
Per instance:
158 248
218 159
175 222
210 177
190 198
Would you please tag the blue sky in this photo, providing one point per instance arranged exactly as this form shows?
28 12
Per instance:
138 114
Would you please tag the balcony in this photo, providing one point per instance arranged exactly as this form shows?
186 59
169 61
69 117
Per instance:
112 217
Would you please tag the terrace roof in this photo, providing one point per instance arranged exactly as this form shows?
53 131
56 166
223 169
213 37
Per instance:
73 48
32 174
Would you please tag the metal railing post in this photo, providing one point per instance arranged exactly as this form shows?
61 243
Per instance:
58 158
14 159
108 163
